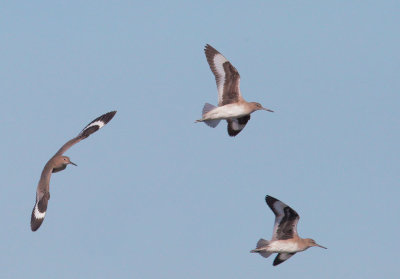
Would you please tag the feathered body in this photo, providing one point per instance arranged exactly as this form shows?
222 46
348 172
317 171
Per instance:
58 163
231 105
285 240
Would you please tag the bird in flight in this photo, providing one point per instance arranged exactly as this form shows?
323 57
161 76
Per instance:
231 105
285 240
58 163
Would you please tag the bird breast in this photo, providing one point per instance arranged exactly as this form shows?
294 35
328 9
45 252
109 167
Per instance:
283 246
227 111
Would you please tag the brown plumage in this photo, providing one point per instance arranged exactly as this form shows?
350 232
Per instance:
231 105
285 240
58 163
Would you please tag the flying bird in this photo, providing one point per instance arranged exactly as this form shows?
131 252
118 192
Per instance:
231 105
58 163
285 240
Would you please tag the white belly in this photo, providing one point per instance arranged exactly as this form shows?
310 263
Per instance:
226 112
283 246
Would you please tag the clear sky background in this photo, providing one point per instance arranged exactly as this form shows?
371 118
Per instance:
157 196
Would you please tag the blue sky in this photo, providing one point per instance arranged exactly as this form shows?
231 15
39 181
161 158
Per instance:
157 196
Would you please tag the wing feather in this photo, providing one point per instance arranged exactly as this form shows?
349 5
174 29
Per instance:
286 219
42 191
236 125
226 76
92 127
281 257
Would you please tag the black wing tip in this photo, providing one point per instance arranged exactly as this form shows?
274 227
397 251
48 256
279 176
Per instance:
107 116
35 225
210 51
270 200
208 46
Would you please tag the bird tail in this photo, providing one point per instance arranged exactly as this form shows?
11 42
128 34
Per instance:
212 122
261 248
207 108
38 212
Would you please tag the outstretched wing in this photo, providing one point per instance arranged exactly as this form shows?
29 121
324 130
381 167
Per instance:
39 210
281 257
226 76
285 219
236 125
92 127
42 192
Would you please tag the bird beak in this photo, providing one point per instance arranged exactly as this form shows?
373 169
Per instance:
320 246
267 109
73 163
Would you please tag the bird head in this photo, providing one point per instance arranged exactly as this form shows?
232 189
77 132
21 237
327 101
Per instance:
258 106
65 161
311 243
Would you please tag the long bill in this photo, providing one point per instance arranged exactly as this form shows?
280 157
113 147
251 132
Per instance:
73 163
268 109
320 246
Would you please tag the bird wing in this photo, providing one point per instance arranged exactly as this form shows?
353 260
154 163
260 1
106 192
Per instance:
43 191
286 219
236 125
281 257
42 198
92 127
226 76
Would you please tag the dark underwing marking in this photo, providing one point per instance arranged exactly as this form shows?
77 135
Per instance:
242 121
59 169
281 257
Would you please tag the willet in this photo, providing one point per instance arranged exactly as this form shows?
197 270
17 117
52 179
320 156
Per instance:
59 163
231 105
285 240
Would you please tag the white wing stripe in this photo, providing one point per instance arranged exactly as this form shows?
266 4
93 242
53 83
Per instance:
38 214
219 60
96 123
